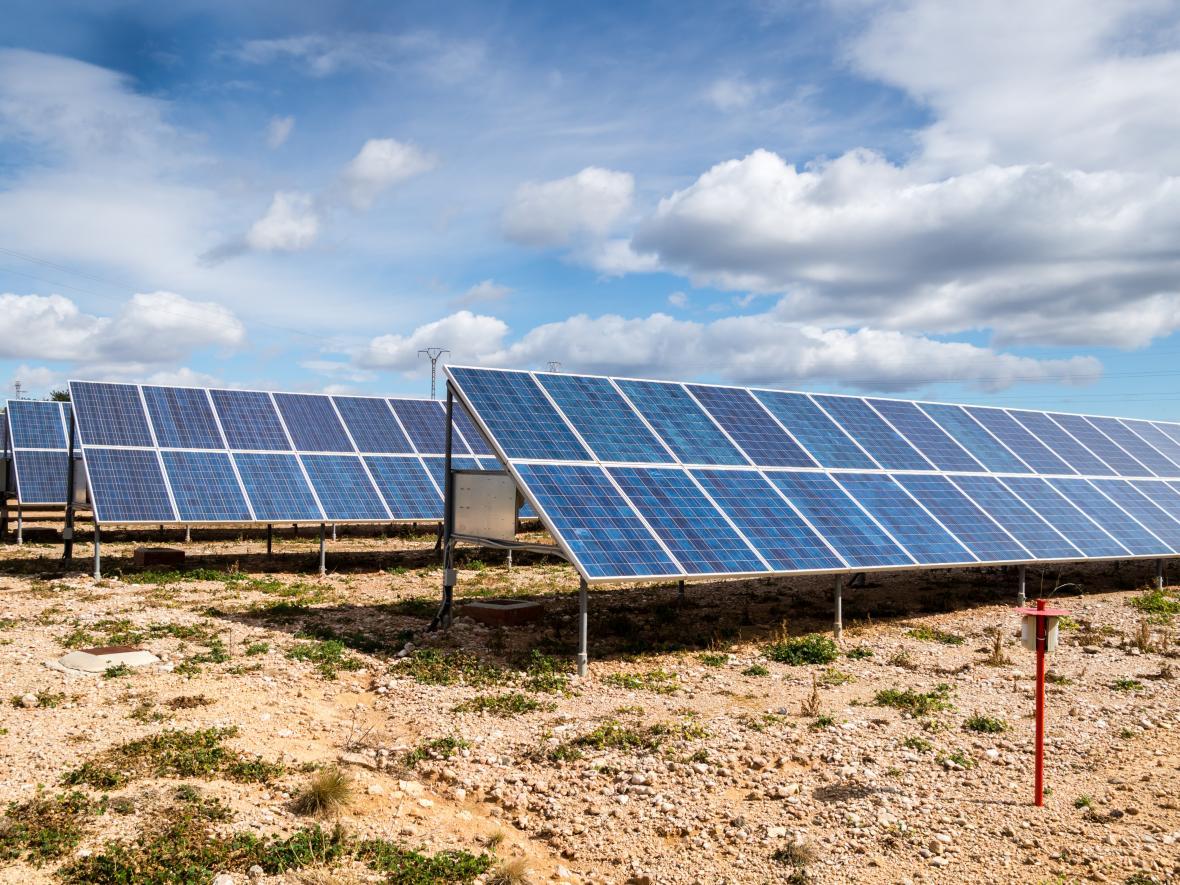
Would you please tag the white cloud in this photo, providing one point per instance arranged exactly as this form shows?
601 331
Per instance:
552 213
730 94
616 257
289 225
278 130
382 163
464 333
322 55
483 291
678 299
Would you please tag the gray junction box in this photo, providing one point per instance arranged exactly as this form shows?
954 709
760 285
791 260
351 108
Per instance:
485 504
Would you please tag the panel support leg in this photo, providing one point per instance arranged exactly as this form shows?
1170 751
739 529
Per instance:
680 592
20 525
97 553
838 622
4 519
1159 574
1020 575
583 629
333 531
445 544
188 534
510 559
438 538
323 550
67 532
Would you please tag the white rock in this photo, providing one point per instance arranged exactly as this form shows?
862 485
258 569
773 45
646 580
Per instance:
376 789
223 879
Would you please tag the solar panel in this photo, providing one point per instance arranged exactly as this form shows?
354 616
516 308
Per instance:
344 487
750 426
1062 443
1159 440
925 436
1126 530
406 486
249 420
36 424
1023 523
35 438
1023 444
816 432
205 487
40 475
127 485
424 423
604 420
1142 509
1134 445
277 487
970 524
182 418
972 436
1080 530
681 423
111 415
874 435
1101 445
313 423
471 434
1162 494
372 424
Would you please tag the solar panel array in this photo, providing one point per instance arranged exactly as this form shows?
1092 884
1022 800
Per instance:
651 480
37 441
194 455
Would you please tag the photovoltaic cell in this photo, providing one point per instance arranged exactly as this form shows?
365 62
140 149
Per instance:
127 486
926 436
973 437
1169 429
1051 434
681 423
815 431
988 541
1142 508
751 427
471 433
277 488
603 418
1041 539
777 531
406 487
686 521
41 476
1100 444
1098 507
312 423
36 424
1133 445
1064 516
426 423
343 487
249 420
1163 443
1011 433
205 487
927 541
110 415
372 424
875 436
182 418
1162 494
854 535
603 533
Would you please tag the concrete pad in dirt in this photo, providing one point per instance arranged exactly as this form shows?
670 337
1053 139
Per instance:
91 661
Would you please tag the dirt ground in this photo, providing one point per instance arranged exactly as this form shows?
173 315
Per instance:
689 755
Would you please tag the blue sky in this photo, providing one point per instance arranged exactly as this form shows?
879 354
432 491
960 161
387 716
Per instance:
960 201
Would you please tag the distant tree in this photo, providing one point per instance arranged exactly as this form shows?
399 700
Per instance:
60 396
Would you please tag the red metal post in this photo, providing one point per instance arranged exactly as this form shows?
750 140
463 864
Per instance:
1042 636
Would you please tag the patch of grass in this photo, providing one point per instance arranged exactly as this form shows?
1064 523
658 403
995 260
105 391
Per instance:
1083 801
756 670
328 791
546 674
146 712
402 866
713 659
187 702
328 656
256 648
913 702
833 676
655 681
502 705
1126 684
510 872
859 653
917 744
961 759
1056 678
116 672
423 607
1161 605
811 649
439 748
180 754
44 829
796 856
822 721
985 724
932 634
901 658
429 666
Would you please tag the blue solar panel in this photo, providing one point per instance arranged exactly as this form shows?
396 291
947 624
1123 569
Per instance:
926 436
875 436
686 521
1172 431
205 487
776 530
988 541
277 488
1162 443
603 533
249 420
426 423
815 431
475 439
36 424
110 414
312 423
372 424
834 515
927 541
41 476
406 487
1133 445
515 410
1162 494
1012 434
603 418
182 418
751 427
436 467
1098 507
1142 509
1081 531
968 433
1041 539
1100 444
127 486
681 423
1052 435
344 488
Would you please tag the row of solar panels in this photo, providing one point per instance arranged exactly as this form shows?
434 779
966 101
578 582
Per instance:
35 440
695 480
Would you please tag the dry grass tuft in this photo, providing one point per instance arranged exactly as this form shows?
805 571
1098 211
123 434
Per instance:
511 872
326 793
996 657
810 707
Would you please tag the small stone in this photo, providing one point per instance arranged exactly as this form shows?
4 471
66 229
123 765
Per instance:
376 789
256 872
29 700
223 879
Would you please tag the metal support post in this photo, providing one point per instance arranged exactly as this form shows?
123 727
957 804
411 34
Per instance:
323 551
97 553
583 629
3 518
509 559
680 591
20 525
1020 596
443 618
838 624
1040 724
438 538
333 531
270 538
67 532
295 529
1159 574
188 534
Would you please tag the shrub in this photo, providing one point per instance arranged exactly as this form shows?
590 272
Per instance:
932 634
913 702
812 649
985 724
327 792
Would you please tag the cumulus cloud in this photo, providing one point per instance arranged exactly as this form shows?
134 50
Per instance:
678 299
289 225
382 163
464 333
730 94
552 213
278 130
483 291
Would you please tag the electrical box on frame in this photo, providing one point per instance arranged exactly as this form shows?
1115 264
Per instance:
485 504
